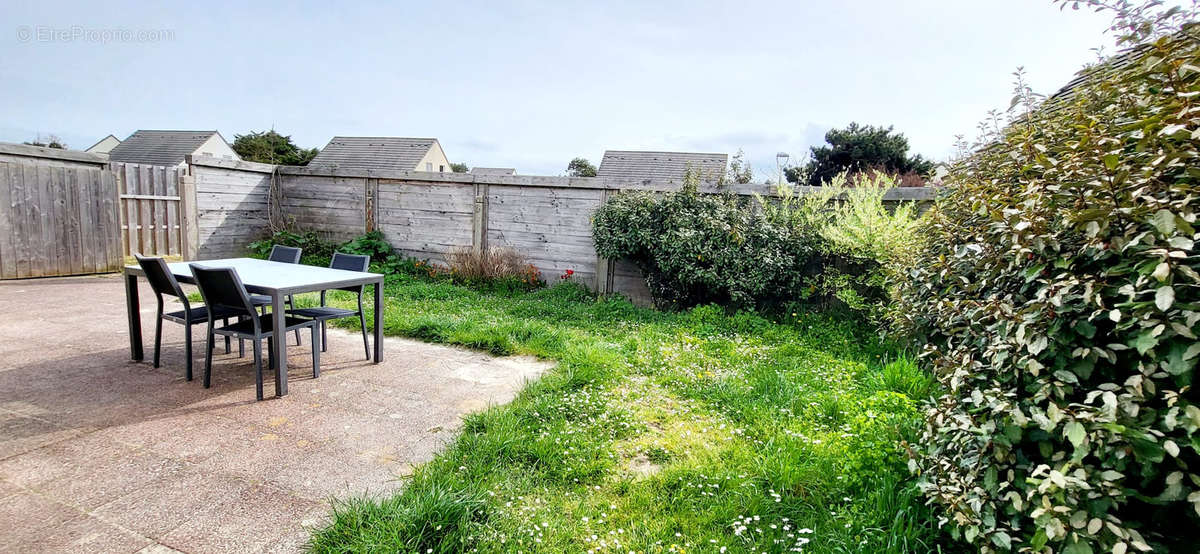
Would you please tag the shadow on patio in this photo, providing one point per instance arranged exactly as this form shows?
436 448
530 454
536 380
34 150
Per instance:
98 453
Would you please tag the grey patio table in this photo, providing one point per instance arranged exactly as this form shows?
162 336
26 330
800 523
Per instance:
274 279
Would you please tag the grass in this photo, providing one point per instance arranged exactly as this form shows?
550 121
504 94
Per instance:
697 431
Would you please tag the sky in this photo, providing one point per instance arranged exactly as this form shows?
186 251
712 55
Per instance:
532 85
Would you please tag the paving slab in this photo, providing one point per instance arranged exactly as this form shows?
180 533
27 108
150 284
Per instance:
102 454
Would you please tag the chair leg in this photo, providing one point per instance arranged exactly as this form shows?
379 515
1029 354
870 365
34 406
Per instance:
157 337
241 341
270 354
225 322
324 337
362 323
258 370
292 306
316 348
208 356
187 349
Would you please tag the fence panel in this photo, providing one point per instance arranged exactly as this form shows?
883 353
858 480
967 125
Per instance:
53 220
151 222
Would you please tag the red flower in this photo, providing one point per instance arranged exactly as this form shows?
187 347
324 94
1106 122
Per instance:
570 272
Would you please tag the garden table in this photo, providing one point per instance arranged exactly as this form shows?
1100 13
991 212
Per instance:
274 279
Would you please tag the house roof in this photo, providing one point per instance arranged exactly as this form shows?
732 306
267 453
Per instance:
101 141
1105 69
159 147
493 171
661 166
399 153
1091 74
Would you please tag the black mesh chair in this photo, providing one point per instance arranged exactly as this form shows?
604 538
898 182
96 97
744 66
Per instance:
163 282
323 313
222 289
282 254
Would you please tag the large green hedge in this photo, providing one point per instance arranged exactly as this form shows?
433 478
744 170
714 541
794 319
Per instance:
835 245
1058 300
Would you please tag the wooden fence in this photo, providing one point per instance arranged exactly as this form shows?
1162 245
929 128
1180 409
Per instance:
428 215
58 214
154 212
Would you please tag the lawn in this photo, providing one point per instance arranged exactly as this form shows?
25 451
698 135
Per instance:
696 431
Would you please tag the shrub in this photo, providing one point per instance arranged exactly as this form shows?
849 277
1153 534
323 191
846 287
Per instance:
1058 301
372 244
315 248
702 248
318 250
762 253
494 268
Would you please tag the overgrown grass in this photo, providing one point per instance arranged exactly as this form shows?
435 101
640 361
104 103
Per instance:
656 432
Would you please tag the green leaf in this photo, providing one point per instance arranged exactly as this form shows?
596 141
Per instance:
1110 161
1164 297
1192 351
1038 344
1077 547
1075 433
1144 342
1164 221
1001 539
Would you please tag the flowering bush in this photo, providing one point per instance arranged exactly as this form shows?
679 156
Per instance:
1058 300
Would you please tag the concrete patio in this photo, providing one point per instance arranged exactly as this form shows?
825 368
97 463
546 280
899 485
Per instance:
101 454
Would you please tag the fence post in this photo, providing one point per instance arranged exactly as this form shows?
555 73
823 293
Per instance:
604 266
372 204
479 221
189 224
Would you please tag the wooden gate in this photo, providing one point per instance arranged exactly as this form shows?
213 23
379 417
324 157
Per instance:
58 214
152 210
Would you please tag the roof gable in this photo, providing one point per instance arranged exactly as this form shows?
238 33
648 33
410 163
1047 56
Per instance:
386 153
661 166
159 147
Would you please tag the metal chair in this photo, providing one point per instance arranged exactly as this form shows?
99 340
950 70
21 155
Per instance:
223 289
282 254
348 262
163 282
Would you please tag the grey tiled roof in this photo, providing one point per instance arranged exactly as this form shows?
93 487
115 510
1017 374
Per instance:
493 171
660 166
158 147
398 153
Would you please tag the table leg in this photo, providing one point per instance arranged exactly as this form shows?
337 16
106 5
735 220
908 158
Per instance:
135 317
379 321
279 338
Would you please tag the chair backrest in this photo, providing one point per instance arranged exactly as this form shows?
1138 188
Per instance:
221 287
285 254
159 276
350 262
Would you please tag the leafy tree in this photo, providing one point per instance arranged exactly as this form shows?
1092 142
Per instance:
580 167
272 148
859 148
459 168
51 142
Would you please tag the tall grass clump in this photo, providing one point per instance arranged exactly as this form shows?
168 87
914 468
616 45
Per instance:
493 266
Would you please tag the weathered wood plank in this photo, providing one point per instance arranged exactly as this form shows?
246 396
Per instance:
88 226
57 191
109 206
8 262
23 216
